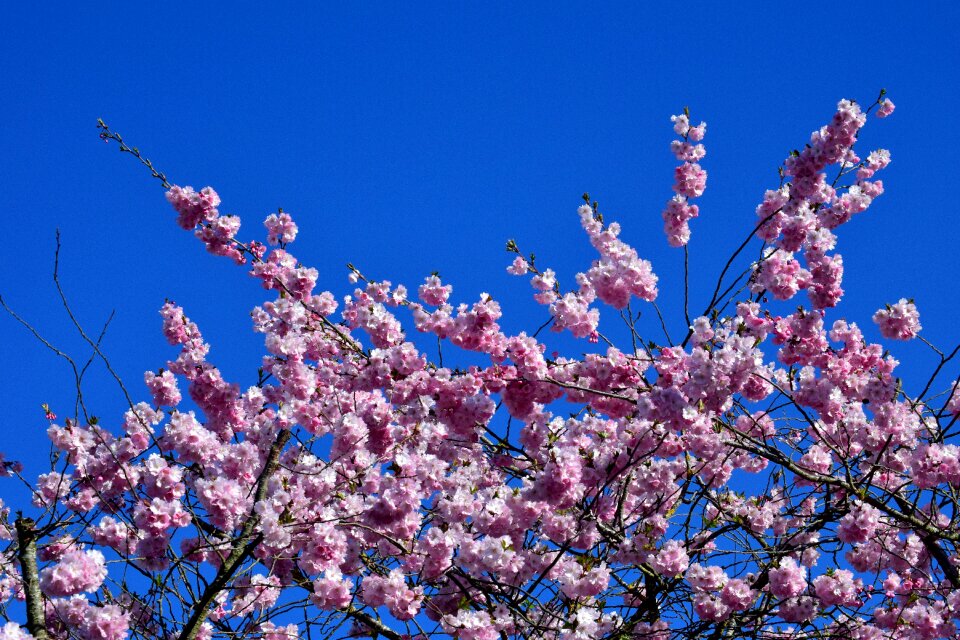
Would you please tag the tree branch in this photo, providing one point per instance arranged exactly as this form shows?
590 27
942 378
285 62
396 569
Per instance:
241 548
27 554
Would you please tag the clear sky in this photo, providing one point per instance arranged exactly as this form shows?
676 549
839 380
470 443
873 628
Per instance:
419 138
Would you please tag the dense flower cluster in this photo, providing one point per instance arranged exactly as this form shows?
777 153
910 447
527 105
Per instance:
899 321
690 180
76 571
766 476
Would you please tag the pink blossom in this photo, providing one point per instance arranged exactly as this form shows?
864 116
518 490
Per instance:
706 578
797 609
886 108
271 631
573 313
117 535
193 207
12 631
671 560
78 571
225 500
108 622
676 218
686 152
860 524
620 273
837 588
281 228
681 124
434 292
470 625
900 321
710 607
331 591
156 516
392 591
878 159
257 592
737 595
518 267
780 274
371 474
788 579
933 464
559 483
163 386
576 582
192 441
690 180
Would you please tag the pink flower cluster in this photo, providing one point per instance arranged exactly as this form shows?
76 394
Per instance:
77 571
485 481
690 180
193 207
802 214
788 579
900 321
281 229
620 273
886 108
403 602
838 588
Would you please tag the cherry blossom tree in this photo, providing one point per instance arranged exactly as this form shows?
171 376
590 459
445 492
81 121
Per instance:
767 476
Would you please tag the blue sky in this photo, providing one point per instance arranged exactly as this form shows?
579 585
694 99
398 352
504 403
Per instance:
410 140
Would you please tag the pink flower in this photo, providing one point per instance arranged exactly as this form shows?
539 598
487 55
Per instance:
402 601
671 560
518 267
192 207
272 632
577 583
690 180
257 592
900 321
681 124
560 482
676 218
698 132
878 159
573 313
399 491
686 152
108 622
163 386
933 464
470 625
706 578
737 595
797 609
331 591
780 274
619 273
787 580
434 292
837 588
859 525
78 571
225 500
886 108
710 607
281 229
12 631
